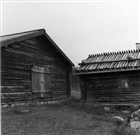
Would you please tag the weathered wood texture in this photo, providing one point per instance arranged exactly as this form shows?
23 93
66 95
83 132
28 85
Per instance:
104 88
16 75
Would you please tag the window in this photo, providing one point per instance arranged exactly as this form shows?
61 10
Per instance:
123 83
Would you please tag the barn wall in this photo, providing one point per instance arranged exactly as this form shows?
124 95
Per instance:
16 62
105 88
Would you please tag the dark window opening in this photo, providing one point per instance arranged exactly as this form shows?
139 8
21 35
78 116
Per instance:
124 83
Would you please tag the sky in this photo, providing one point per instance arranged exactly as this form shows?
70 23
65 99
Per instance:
78 28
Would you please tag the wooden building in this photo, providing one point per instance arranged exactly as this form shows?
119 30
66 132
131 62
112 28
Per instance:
111 78
33 67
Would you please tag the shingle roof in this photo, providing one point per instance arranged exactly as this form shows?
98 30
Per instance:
13 38
113 61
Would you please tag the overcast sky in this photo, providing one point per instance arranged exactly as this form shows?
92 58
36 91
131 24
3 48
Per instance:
78 28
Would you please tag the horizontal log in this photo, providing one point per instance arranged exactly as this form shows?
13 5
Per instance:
13 65
115 90
114 99
15 89
35 48
113 95
15 82
59 95
23 59
59 76
32 51
14 77
59 85
32 41
10 101
14 71
15 95
59 80
58 89
28 60
28 53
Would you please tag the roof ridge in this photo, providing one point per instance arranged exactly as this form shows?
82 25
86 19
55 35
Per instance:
24 32
117 52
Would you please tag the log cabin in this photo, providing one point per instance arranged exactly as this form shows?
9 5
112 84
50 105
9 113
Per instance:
33 68
111 78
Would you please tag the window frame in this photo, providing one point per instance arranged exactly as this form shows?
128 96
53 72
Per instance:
120 83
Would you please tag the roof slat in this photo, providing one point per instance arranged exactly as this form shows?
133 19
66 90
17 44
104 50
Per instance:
113 61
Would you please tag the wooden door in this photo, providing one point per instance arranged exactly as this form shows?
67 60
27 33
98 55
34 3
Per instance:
41 79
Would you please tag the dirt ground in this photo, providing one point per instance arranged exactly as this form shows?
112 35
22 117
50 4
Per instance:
66 118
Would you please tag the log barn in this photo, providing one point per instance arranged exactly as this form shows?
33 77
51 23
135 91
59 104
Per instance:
33 68
111 78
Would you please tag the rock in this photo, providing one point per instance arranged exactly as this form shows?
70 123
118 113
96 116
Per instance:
133 120
107 108
126 111
5 105
25 111
136 114
135 125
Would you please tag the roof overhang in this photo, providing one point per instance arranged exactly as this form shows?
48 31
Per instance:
24 36
106 71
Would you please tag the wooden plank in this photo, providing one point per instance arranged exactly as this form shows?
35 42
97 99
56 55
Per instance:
48 82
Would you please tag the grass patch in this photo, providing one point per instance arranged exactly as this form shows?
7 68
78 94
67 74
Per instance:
66 118
125 131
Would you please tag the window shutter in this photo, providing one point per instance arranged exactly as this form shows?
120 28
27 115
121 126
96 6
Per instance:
41 79
35 82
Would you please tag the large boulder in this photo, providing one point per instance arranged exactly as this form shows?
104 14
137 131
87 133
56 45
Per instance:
133 121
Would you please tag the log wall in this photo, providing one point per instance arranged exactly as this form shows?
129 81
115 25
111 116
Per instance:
16 62
105 88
